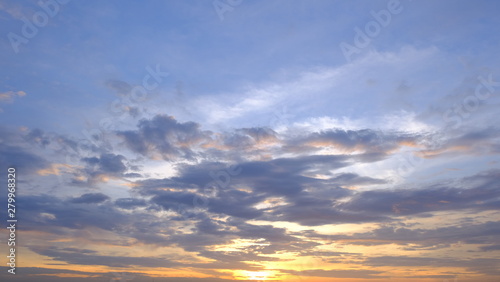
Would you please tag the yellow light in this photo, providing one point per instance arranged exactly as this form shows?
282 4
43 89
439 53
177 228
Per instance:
256 275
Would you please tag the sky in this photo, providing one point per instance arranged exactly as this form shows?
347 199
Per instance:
239 140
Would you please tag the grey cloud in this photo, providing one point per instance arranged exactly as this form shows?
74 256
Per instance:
37 136
310 210
104 165
132 175
246 138
120 87
353 273
478 192
107 164
484 266
484 233
350 179
21 159
89 258
366 140
275 178
63 145
260 134
165 136
65 215
490 248
477 141
233 203
90 198
130 203
69 217
28 274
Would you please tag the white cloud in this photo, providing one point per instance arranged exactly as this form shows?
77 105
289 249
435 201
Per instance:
359 89
8 96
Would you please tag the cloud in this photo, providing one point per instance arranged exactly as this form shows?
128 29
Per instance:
247 139
477 192
37 136
164 137
8 97
99 169
353 179
121 88
69 213
132 175
352 273
490 248
90 198
21 159
347 141
311 210
475 265
477 142
421 239
210 186
16 11
62 275
89 257
107 164
130 203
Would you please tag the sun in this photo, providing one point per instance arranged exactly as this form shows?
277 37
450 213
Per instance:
256 275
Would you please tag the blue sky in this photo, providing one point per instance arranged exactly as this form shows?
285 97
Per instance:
239 140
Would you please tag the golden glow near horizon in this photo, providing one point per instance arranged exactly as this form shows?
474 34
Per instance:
209 141
346 253
255 275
